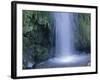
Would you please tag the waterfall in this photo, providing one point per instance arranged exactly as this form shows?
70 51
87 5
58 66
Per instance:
65 53
64 33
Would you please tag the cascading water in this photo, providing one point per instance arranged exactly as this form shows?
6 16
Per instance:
64 34
64 37
65 55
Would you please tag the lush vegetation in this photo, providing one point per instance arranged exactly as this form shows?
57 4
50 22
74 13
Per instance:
39 36
82 32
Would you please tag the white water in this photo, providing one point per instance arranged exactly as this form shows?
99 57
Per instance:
64 34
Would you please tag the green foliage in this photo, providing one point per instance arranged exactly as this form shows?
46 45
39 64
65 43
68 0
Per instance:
82 32
37 29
